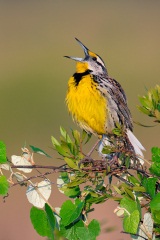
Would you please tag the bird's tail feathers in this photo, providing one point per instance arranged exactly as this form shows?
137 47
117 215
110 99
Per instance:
135 143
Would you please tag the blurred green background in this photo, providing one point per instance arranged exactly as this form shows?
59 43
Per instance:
34 37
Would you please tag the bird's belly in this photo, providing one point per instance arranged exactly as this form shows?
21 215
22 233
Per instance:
88 107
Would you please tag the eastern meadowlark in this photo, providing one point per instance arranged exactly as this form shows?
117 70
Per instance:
96 101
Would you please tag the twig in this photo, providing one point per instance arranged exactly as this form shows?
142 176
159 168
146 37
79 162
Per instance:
40 166
32 177
93 148
136 235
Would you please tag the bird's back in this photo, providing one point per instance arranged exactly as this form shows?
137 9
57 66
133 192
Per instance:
116 104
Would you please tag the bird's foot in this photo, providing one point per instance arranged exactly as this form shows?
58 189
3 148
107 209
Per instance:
87 159
114 159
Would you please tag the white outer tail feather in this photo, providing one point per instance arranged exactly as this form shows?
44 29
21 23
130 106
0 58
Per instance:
135 143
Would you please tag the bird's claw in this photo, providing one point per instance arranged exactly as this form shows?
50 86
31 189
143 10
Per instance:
86 160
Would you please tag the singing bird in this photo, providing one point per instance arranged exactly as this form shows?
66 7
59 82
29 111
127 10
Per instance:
96 101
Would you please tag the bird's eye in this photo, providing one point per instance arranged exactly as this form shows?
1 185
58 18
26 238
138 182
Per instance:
94 58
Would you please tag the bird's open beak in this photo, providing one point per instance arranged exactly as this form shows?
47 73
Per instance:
75 58
85 49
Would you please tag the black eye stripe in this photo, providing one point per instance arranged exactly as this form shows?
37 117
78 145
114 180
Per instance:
94 58
100 64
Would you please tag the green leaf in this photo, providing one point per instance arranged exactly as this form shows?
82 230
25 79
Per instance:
69 232
151 103
139 207
40 151
149 184
98 199
65 135
78 231
83 233
40 222
131 222
127 162
76 182
155 154
155 203
94 227
65 146
70 212
128 204
3 158
64 176
70 163
118 130
72 192
61 151
133 180
155 169
63 132
89 135
128 191
157 230
158 107
73 149
76 136
84 135
139 189
156 216
50 216
54 141
117 189
144 110
4 185
157 114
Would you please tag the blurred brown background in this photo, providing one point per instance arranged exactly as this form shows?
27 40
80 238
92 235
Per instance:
34 37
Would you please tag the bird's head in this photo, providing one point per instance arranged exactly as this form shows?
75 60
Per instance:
91 62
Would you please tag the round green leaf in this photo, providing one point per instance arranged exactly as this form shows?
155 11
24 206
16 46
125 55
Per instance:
3 185
155 203
70 212
131 222
40 222
3 158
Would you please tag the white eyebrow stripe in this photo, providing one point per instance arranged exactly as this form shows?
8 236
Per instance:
100 61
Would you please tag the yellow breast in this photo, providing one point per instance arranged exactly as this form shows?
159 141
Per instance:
87 104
